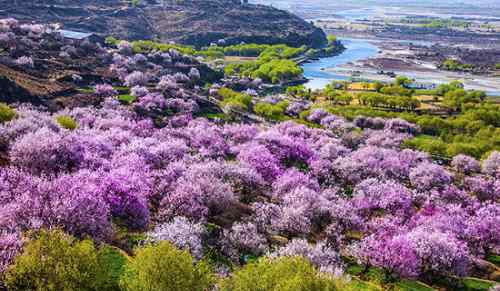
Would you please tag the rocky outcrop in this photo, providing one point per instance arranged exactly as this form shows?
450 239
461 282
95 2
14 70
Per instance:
193 22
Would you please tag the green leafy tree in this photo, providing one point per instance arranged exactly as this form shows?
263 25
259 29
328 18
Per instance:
454 99
6 113
278 70
110 40
299 92
163 267
454 65
403 81
337 96
54 261
442 89
236 100
112 263
396 90
271 111
67 122
282 274
331 39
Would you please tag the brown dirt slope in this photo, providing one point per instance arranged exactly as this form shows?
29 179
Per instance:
18 86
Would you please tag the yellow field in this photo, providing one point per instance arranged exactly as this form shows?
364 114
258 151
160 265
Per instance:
425 98
236 59
359 86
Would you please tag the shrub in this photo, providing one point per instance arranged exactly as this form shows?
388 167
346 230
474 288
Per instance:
163 267
6 113
54 261
271 111
112 261
243 101
287 273
67 122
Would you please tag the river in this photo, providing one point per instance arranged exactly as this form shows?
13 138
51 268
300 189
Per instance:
356 50
321 72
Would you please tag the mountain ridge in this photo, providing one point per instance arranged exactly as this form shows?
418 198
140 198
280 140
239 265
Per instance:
191 22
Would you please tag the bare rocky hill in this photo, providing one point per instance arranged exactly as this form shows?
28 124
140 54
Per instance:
194 22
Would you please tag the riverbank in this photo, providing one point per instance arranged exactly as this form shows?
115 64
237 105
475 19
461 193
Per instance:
366 58
317 71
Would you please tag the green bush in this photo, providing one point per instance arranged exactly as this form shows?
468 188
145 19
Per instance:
271 111
428 144
278 70
331 38
6 113
396 90
474 284
110 40
67 122
382 100
272 65
337 96
112 262
402 81
287 273
299 92
126 99
54 261
454 65
163 267
235 99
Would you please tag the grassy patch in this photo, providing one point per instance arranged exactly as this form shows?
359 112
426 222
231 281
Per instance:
362 86
216 116
67 122
86 90
432 92
355 270
122 89
428 144
408 285
478 284
112 260
126 98
6 113
358 285
494 259
237 59
376 275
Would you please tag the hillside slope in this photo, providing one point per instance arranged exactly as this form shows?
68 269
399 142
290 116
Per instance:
193 22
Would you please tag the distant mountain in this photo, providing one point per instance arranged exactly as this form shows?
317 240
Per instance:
287 4
194 22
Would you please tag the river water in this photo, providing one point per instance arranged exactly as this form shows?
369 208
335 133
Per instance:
356 50
360 49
